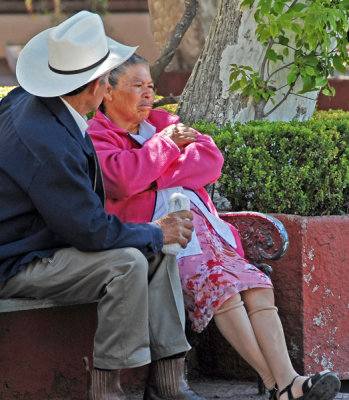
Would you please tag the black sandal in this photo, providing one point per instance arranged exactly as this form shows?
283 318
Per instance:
324 387
272 392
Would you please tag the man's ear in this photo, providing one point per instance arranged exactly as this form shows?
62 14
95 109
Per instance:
108 93
94 85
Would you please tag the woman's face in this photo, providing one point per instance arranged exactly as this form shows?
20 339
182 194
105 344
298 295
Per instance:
131 101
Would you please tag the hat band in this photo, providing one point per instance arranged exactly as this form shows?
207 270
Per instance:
79 71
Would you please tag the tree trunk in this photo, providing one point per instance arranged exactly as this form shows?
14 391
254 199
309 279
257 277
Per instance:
164 15
232 39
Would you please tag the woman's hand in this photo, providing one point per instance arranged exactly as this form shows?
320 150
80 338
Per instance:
180 134
177 227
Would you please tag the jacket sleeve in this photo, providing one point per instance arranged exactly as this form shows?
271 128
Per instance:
198 164
62 193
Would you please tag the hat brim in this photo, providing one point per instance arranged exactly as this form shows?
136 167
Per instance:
35 76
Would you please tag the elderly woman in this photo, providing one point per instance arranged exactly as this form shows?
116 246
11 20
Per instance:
145 156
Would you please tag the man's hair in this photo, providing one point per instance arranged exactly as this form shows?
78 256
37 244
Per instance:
135 59
83 87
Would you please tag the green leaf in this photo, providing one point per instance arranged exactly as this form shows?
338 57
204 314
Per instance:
234 75
291 78
278 7
257 15
246 91
246 3
296 29
311 60
338 64
284 40
246 67
274 30
332 22
298 7
264 35
309 70
265 7
256 97
321 81
265 96
308 83
235 86
271 55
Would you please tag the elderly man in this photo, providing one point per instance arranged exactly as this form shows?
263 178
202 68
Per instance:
56 240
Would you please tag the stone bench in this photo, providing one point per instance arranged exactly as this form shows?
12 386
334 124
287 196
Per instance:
263 236
42 342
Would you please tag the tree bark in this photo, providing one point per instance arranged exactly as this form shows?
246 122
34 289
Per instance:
175 39
232 39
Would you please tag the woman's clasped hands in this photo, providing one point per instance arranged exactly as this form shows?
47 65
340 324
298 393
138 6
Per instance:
180 134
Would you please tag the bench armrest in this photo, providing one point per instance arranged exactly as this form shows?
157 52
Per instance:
263 236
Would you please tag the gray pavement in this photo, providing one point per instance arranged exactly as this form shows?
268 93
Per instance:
221 389
214 389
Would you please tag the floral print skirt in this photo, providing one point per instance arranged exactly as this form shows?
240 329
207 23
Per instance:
211 278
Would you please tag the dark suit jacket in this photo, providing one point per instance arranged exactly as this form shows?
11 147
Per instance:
51 191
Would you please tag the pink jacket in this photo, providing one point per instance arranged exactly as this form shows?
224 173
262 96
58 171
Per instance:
133 173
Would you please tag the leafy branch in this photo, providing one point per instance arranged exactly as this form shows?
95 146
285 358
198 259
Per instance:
180 29
309 38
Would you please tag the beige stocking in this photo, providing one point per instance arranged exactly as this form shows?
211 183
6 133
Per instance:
270 337
232 321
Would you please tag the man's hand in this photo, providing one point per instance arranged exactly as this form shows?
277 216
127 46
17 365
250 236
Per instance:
177 227
180 134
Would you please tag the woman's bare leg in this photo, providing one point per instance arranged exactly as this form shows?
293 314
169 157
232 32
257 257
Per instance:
271 339
233 322
259 338
269 333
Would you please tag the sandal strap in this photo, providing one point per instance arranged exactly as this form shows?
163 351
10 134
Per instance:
313 379
305 386
273 391
288 389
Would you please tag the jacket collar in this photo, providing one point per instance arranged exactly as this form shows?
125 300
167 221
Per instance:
60 110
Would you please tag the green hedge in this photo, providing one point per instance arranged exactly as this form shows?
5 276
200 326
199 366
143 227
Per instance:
4 90
284 167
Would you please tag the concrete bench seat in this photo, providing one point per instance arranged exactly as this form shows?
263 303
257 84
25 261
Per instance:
23 304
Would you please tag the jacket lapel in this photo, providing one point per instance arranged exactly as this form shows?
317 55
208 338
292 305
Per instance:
57 107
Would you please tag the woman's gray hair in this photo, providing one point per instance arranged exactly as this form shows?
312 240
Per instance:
135 59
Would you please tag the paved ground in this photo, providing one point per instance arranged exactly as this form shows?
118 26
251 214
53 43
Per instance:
223 390
215 389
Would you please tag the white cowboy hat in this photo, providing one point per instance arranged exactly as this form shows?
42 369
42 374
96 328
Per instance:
65 57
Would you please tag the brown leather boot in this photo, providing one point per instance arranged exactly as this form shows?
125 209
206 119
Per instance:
166 381
103 385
